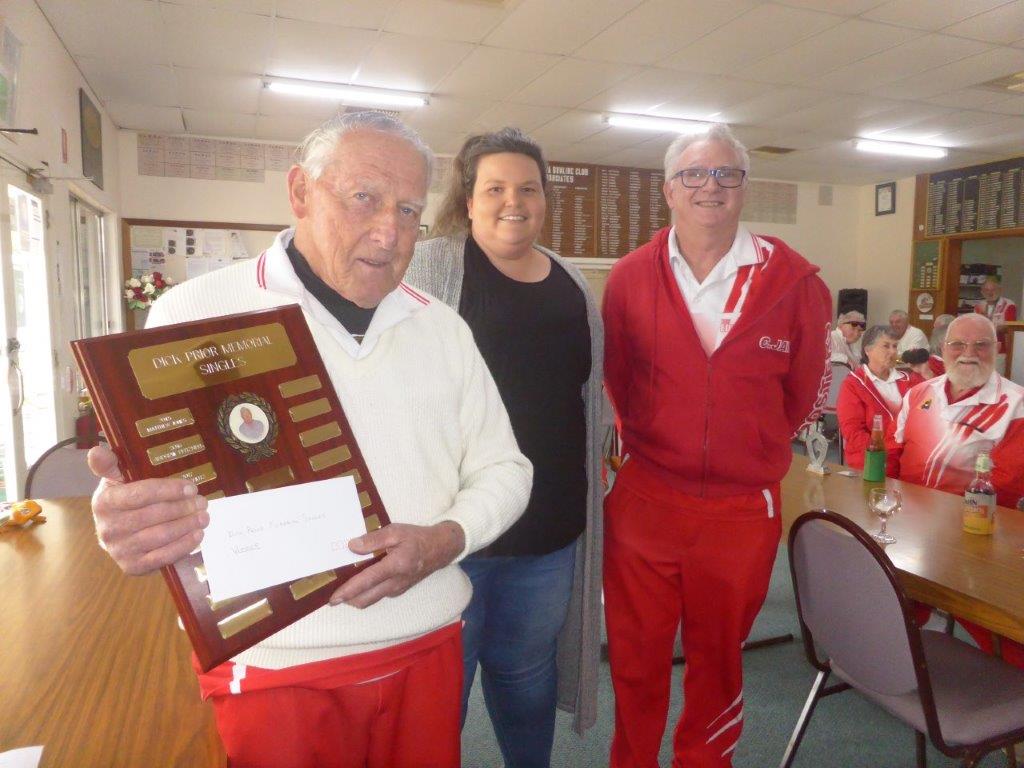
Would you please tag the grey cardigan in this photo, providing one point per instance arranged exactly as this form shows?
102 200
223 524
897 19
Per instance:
438 268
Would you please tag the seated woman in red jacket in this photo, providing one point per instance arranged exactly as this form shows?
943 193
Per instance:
874 388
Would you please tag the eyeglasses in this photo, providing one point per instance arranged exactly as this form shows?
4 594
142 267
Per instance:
695 178
978 347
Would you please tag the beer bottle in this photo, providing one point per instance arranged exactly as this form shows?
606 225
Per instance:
874 456
980 498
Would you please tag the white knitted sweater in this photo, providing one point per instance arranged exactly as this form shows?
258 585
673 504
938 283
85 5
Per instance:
429 421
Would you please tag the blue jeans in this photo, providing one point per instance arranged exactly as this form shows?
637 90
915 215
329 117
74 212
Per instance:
511 628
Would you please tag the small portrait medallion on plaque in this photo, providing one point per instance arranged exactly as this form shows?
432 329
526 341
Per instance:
248 424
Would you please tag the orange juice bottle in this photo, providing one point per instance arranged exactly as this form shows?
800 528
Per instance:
980 498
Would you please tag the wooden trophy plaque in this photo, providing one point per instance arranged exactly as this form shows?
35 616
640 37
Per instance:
235 404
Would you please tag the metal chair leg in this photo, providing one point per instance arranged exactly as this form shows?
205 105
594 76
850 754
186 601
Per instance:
950 623
804 719
922 750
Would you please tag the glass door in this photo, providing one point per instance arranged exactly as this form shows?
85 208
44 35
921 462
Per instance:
91 270
28 423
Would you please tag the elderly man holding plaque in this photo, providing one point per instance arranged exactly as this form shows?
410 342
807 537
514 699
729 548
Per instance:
375 678
716 354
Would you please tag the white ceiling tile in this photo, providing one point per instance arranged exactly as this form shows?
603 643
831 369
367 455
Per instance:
570 127
1004 24
991 64
206 90
772 103
1007 128
838 46
557 26
574 153
929 14
765 30
284 127
410 63
910 58
658 28
145 117
637 157
840 110
842 7
444 142
211 123
130 83
937 127
969 98
445 113
129 30
363 14
893 124
226 40
259 7
613 139
524 116
571 82
646 90
495 73
1012 105
446 19
711 98
317 51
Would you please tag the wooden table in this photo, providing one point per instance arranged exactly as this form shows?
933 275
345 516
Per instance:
93 665
980 578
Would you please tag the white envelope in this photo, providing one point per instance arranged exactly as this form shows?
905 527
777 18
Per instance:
262 539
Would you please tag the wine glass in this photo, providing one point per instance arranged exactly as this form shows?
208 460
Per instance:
884 502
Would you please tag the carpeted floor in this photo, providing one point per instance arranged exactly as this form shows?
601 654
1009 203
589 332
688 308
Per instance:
846 731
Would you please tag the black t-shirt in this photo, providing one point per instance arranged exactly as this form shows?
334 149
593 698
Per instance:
535 339
353 318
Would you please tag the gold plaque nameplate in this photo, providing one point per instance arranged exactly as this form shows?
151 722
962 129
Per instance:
354 474
165 422
320 434
299 386
372 523
160 454
201 573
309 410
204 473
244 619
364 499
202 361
311 584
214 495
330 458
274 479
216 605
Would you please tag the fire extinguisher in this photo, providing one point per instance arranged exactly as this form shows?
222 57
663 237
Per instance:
86 426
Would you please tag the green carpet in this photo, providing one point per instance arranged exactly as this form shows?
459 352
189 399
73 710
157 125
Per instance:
846 731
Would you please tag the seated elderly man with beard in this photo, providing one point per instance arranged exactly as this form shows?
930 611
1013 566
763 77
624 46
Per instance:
948 420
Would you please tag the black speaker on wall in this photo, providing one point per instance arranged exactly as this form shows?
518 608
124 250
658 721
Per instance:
852 299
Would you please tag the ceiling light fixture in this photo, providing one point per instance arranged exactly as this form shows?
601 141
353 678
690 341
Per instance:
348 94
899 148
660 124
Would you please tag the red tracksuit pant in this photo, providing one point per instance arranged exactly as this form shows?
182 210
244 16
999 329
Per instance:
398 707
670 558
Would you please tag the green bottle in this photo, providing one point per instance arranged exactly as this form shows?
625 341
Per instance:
874 456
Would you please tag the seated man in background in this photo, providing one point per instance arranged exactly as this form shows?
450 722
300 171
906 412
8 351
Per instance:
906 335
373 680
846 341
947 421
935 343
997 308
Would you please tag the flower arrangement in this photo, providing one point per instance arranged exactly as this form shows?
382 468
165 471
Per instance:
141 292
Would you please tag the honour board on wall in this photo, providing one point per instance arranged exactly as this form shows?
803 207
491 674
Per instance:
980 198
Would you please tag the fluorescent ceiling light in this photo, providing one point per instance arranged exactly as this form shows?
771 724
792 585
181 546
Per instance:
899 148
660 124
349 94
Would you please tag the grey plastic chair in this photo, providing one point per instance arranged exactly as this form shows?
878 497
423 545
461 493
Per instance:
61 471
853 609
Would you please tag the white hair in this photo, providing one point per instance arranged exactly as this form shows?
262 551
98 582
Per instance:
316 149
973 317
898 313
717 132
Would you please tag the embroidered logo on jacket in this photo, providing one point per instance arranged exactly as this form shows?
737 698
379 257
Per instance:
926 404
776 345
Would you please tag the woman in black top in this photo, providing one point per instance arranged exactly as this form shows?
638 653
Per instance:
537 328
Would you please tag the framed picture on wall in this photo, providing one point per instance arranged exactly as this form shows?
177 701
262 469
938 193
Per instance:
885 198
92 139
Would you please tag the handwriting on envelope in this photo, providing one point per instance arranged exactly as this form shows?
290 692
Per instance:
262 539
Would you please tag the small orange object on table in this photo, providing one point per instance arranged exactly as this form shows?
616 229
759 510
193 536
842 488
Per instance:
20 513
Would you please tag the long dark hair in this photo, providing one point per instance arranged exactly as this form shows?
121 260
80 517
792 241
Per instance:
453 218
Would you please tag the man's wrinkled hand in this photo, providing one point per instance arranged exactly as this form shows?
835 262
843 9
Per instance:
413 553
147 524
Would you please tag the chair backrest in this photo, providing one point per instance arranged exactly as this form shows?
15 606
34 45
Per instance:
839 373
850 602
61 471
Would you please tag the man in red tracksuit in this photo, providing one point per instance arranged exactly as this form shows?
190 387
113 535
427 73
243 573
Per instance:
716 353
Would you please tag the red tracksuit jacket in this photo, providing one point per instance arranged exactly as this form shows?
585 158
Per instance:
858 404
719 425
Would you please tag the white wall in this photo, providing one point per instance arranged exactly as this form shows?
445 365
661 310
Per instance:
47 99
884 247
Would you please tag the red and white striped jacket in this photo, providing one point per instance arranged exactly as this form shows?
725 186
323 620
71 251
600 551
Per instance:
939 440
